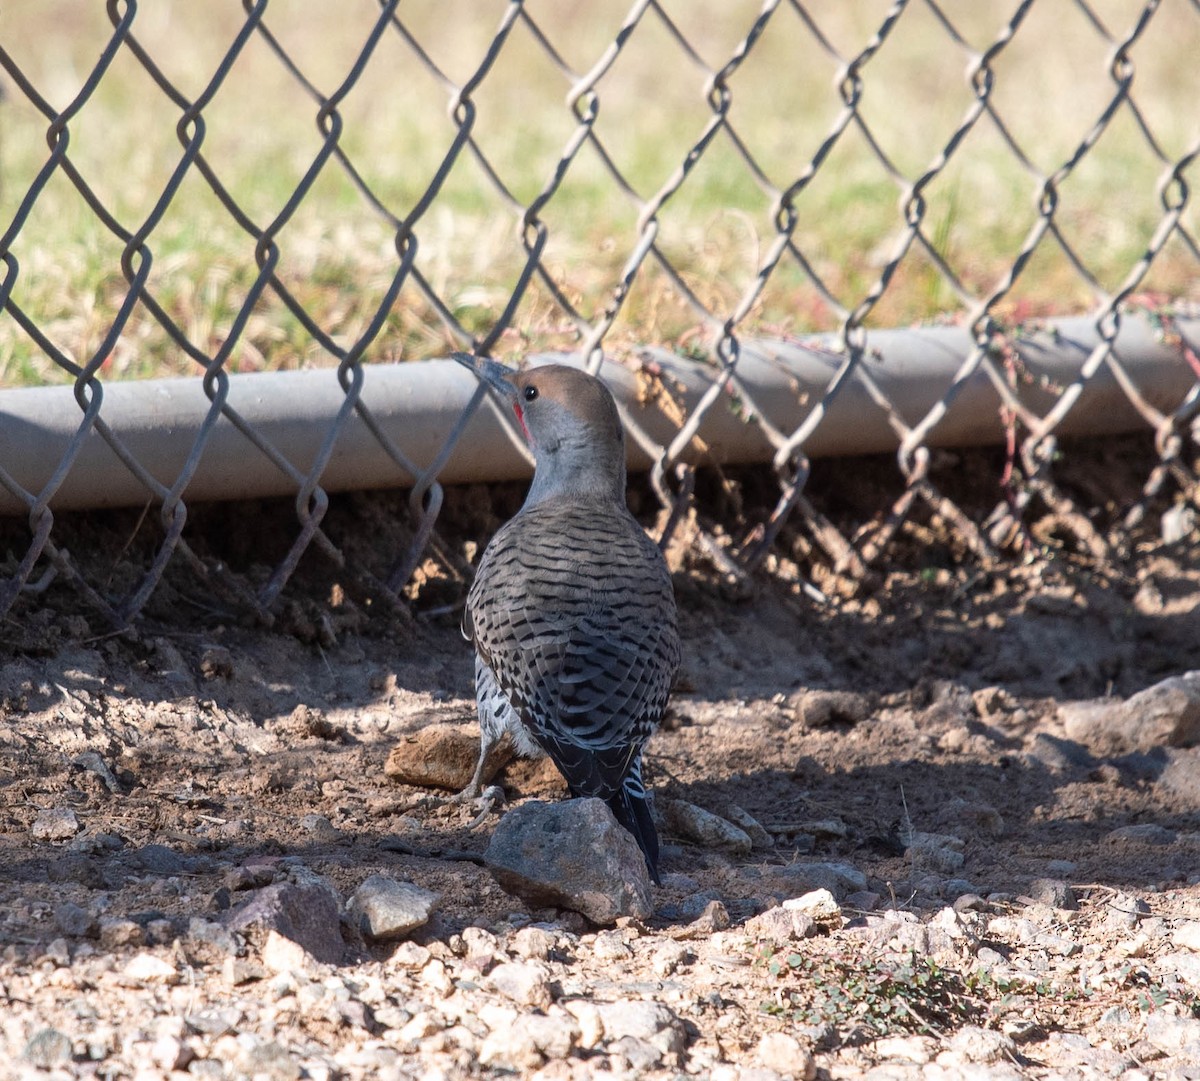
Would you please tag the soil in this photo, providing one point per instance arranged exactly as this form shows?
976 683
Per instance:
1008 901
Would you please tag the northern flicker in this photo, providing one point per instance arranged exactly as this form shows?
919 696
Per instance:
572 612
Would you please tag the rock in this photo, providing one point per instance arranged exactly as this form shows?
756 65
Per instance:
701 827
1056 754
779 925
784 1054
527 983
71 919
713 917
47 1048
54 824
1166 714
587 1015
170 1053
982 1045
160 860
611 946
1174 1035
1145 833
649 1021
1184 966
748 824
305 911
384 909
1055 893
116 932
1181 776
533 777
971 818
940 852
1124 911
533 943
524 1042
210 941
1187 936
320 829
442 756
820 709
818 905
571 855
149 968
838 878
281 954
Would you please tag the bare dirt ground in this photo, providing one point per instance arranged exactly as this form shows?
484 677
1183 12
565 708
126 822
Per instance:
1009 899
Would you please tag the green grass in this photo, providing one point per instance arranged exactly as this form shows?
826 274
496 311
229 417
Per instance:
338 256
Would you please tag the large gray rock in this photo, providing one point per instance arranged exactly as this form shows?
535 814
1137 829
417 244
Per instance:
572 855
1164 715
305 910
384 909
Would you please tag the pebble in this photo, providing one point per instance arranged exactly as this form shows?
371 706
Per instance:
160 860
320 829
305 909
1184 966
745 821
652 1022
819 708
116 932
940 852
528 1040
74 920
784 1054
982 1045
611 946
1146 833
1166 714
1054 892
709 831
526 983
838 878
1187 935
533 943
780 925
54 824
384 909
1174 1035
47 1048
601 873
818 905
149 968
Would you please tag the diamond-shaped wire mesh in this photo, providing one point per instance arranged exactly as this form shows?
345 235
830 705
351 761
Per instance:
205 190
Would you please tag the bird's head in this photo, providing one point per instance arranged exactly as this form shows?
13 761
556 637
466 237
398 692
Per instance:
571 423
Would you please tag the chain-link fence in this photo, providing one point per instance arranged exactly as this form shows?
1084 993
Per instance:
211 190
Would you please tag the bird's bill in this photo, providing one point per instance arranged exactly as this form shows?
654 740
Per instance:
496 375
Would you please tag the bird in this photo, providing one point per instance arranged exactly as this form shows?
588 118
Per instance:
572 611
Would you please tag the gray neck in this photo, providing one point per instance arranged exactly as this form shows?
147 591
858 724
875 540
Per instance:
573 471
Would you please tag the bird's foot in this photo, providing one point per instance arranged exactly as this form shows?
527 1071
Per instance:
491 798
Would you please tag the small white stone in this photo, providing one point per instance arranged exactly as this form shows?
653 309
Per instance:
783 1053
817 904
1187 936
149 968
525 982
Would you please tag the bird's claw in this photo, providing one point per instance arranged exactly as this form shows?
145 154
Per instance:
491 798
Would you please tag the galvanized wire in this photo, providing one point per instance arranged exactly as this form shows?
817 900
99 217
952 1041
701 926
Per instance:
1033 437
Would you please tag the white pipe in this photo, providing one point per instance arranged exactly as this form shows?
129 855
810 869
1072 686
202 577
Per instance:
418 404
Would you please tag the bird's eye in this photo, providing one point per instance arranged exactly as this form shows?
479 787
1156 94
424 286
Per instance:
531 393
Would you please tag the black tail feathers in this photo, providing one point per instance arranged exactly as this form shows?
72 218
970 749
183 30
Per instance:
632 810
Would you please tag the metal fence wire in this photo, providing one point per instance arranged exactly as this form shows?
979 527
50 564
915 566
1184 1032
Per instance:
500 178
